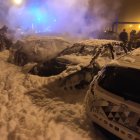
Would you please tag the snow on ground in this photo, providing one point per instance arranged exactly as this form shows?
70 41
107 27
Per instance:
29 110
136 52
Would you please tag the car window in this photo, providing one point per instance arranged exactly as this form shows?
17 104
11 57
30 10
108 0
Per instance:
124 82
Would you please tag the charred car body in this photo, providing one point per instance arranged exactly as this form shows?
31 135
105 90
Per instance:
80 62
36 50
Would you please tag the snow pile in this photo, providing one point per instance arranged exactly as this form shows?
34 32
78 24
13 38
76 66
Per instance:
129 59
102 61
26 68
136 52
114 62
29 110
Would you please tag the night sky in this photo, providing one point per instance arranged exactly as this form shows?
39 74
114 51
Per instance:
106 10
130 10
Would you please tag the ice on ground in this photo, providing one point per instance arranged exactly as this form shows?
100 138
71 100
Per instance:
30 111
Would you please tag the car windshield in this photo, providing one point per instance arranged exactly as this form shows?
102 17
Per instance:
122 81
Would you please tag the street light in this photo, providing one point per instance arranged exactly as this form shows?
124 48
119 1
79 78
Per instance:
17 2
130 25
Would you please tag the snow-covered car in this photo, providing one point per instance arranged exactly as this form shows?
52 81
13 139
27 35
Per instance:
113 99
81 54
81 61
37 49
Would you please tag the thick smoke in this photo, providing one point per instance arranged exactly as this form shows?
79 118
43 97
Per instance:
75 17
4 9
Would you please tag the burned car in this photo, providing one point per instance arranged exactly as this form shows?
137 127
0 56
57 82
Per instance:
80 62
113 100
36 49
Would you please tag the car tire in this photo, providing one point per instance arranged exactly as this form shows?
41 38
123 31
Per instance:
107 134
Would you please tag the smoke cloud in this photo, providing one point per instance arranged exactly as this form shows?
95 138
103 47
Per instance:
75 17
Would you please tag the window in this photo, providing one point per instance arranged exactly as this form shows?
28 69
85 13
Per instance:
122 81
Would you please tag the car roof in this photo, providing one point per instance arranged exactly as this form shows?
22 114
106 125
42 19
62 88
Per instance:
97 42
44 38
131 60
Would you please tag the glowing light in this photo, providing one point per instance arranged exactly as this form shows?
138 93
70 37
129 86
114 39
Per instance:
139 26
17 2
131 26
35 19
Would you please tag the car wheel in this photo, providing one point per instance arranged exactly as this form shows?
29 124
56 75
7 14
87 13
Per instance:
106 133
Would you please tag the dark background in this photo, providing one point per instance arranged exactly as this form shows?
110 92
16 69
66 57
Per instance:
130 10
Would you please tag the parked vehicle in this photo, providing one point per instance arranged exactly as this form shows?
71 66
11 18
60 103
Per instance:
36 49
80 62
113 99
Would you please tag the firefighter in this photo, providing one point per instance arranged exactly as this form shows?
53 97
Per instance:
133 35
123 36
132 42
138 35
138 39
